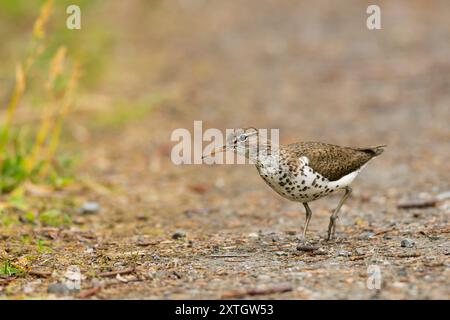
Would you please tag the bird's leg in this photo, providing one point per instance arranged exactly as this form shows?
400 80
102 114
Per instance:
334 215
308 218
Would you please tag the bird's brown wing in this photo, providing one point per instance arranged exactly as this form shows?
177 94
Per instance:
331 161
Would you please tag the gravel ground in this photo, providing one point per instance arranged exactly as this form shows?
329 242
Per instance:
314 71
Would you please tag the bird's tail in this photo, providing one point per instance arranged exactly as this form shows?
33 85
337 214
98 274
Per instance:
376 150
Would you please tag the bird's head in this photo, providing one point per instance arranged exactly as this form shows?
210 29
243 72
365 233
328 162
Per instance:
246 142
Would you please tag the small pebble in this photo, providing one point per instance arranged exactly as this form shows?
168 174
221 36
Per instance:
366 235
179 235
253 235
359 251
90 207
281 253
156 257
443 196
344 253
141 217
407 243
89 250
305 247
399 285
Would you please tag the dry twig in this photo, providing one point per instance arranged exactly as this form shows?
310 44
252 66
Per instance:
40 274
229 256
115 273
257 291
89 292
417 204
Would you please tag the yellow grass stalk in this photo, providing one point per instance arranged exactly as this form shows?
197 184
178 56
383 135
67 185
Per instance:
41 22
19 89
39 33
56 69
67 105
56 66
22 72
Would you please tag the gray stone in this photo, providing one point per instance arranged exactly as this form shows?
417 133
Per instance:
306 247
179 234
344 253
366 235
90 207
407 243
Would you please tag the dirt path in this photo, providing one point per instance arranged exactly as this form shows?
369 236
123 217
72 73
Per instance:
314 71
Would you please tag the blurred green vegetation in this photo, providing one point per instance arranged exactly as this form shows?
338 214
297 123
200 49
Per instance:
90 46
54 218
49 59
46 68
8 269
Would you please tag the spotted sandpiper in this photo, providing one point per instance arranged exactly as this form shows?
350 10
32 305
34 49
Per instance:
302 171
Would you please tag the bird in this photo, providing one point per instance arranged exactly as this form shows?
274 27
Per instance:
303 171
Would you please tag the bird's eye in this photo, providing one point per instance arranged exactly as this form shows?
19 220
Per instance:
242 137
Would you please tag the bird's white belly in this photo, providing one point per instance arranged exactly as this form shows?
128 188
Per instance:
346 180
305 187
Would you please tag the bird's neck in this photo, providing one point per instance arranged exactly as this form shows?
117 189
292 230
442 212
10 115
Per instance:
257 153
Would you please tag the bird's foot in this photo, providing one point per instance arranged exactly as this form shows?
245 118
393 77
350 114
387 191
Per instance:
307 244
301 238
332 228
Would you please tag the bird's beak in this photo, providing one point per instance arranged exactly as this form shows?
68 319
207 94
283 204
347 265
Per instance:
217 150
